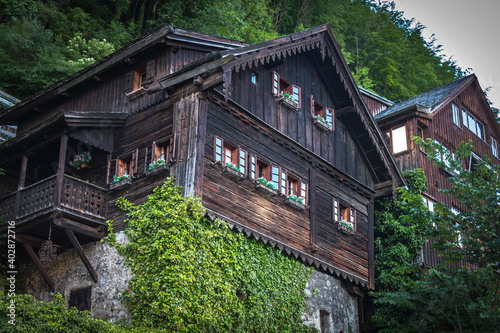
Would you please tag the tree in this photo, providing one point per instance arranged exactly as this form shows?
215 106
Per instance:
462 299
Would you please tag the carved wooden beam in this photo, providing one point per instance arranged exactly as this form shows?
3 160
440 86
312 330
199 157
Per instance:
39 265
80 252
80 228
35 241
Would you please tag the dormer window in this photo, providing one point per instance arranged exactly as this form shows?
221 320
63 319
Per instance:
286 93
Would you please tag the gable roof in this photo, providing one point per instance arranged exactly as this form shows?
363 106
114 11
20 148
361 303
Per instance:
428 101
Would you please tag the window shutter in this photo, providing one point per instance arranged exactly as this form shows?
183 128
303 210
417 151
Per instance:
218 149
135 161
312 106
336 210
120 167
129 82
303 191
276 84
172 147
154 154
150 71
146 160
296 94
253 167
111 171
353 217
242 161
329 117
283 184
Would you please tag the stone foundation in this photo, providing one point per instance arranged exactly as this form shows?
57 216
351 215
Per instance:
69 273
332 308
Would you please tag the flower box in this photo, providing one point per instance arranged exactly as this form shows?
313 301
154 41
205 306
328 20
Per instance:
346 227
266 189
156 170
323 125
120 183
232 173
295 204
288 102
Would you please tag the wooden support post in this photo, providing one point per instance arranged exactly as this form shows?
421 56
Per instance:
82 255
371 245
312 207
60 169
39 265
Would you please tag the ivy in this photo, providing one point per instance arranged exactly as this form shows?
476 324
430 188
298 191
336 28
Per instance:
192 274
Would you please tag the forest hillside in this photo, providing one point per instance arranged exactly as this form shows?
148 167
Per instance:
43 41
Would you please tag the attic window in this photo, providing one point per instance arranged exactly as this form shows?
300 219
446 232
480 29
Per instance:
343 213
254 77
140 78
456 114
472 124
286 93
322 116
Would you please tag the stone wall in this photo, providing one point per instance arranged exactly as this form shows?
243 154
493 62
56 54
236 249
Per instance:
69 273
332 308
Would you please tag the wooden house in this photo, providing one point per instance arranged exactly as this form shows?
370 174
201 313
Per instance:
6 101
453 113
274 137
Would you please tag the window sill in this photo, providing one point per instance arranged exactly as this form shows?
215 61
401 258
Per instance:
265 189
322 125
295 204
136 93
287 103
345 230
122 183
159 169
233 174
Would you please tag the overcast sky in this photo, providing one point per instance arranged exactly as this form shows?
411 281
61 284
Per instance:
469 32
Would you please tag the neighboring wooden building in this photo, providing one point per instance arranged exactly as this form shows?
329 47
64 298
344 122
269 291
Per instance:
6 101
228 118
455 112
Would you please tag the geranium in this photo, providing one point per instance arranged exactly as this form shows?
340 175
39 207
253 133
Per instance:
80 159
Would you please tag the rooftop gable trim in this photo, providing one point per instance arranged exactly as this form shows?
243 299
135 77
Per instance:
376 97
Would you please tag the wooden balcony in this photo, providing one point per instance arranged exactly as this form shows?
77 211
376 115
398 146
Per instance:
79 199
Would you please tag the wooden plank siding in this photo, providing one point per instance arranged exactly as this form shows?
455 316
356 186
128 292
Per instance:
240 201
298 125
107 93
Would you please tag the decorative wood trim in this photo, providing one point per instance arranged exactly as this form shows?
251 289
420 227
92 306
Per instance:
302 256
39 265
96 233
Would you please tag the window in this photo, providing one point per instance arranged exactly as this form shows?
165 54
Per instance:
344 213
283 182
456 114
293 187
123 166
444 156
473 124
341 133
396 139
161 151
494 147
225 153
428 203
264 170
275 175
140 78
284 88
254 77
253 167
321 113
81 299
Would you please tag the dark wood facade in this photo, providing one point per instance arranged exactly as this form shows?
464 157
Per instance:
215 120
430 115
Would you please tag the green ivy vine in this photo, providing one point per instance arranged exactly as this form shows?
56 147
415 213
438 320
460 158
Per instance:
192 274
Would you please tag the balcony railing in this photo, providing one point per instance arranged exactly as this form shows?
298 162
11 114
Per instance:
76 196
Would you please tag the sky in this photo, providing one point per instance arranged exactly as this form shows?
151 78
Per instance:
469 32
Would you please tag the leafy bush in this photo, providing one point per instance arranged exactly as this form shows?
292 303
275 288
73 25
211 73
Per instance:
192 274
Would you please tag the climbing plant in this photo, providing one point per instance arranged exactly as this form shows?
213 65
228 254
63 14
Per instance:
193 274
